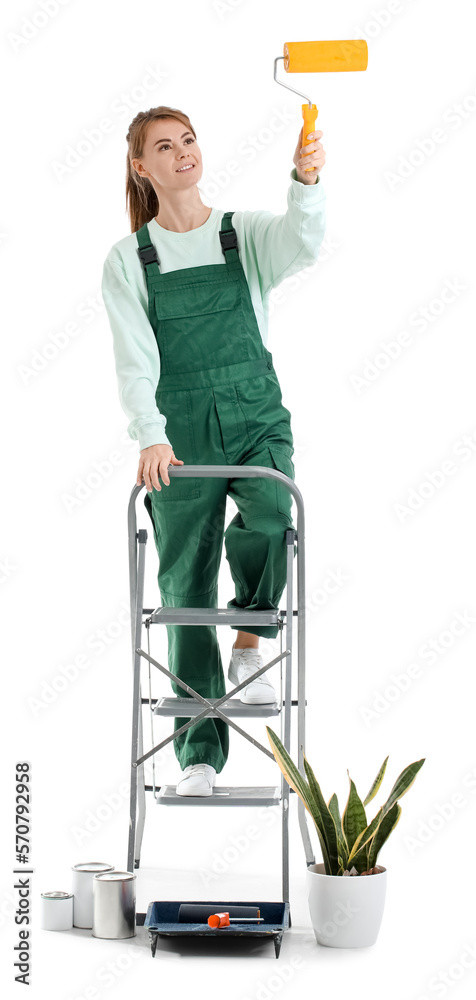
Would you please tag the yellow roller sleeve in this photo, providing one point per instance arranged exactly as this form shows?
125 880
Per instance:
325 57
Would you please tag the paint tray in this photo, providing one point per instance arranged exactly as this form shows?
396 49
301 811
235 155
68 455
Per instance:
162 918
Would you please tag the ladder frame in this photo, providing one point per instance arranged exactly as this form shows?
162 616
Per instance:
137 541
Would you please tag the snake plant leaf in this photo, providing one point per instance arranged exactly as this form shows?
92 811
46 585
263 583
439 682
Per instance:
327 821
376 784
354 820
293 777
360 861
387 824
333 807
358 851
403 783
295 780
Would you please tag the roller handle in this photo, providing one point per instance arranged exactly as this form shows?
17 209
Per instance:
223 919
309 115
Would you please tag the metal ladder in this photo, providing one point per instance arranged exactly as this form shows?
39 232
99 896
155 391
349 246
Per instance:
226 707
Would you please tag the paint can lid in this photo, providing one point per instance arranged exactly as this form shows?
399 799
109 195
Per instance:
115 876
93 866
56 894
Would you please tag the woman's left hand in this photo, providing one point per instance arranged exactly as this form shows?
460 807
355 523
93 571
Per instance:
315 157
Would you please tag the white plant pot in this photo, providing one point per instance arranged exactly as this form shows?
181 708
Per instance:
346 910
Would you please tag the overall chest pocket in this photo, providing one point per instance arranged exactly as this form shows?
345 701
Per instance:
195 321
197 298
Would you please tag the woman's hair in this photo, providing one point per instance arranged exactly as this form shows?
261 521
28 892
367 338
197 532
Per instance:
141 200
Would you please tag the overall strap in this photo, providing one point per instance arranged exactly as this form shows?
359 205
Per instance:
228 240
147 252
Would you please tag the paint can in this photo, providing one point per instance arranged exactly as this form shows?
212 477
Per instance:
56 910
114 909
83 890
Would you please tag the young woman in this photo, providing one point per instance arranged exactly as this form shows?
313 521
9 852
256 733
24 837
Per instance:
186 296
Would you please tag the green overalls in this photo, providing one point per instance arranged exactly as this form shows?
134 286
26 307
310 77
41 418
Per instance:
222 399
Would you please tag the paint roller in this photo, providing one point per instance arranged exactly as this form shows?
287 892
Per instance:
320 57
198 913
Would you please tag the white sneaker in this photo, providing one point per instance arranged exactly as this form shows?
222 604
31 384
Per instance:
243 663
197 779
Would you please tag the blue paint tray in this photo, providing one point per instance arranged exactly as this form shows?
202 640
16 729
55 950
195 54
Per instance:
162 918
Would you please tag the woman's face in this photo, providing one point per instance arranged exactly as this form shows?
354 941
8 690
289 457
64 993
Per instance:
170 146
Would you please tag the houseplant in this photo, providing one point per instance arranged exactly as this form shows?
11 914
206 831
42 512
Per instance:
346 912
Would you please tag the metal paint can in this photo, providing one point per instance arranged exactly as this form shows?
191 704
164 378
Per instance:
114 910
56 910
83 890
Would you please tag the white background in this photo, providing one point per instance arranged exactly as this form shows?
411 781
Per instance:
400 229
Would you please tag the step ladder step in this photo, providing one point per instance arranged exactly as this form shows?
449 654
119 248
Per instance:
188 708
215 616
223 795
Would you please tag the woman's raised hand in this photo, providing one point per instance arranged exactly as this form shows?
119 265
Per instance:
312 155
153 463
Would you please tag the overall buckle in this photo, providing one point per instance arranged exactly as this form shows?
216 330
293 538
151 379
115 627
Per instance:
228 240
148 255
